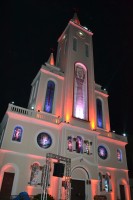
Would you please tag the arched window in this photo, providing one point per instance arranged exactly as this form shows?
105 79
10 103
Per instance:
88 147
86 50
79 144
35 169
17 134
119 155
99 113
49 97
107 183
70 143
80 105
100 181
75 44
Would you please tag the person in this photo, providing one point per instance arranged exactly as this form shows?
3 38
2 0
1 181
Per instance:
22 196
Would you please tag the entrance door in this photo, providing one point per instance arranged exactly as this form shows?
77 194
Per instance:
77 189
122 192
6 187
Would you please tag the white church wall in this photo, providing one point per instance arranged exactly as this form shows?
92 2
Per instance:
112 160
28 144
22 169
105 110
57 103
87 152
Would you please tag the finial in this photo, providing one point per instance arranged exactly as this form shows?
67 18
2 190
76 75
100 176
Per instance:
75 17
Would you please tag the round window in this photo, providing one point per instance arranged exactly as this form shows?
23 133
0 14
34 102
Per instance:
44 140
102 152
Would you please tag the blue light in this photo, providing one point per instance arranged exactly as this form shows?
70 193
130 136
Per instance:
99 113
49 97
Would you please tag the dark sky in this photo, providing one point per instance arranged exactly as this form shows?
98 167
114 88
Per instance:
29 29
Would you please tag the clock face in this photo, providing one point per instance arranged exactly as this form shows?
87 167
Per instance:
44 140
102 152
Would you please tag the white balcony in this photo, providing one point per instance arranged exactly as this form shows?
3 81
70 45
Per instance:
34 114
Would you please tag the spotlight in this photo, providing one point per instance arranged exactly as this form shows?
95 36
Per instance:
85 28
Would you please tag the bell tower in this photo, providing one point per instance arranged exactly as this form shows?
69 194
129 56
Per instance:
67 87
75 58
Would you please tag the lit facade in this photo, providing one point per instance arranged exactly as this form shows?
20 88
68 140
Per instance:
67 115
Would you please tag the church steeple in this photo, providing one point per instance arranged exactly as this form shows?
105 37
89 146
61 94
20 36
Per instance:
76 19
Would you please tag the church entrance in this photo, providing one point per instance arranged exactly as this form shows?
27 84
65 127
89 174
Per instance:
6 187
77 189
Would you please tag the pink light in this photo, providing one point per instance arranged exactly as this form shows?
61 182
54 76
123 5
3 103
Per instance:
79 112
30 119
28 155
53 74
94 187
111 168
30 189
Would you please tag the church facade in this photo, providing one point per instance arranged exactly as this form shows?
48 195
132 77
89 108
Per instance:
67 118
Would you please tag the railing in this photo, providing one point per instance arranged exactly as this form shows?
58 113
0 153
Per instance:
49 118
113 136
34 114
20 110
56 120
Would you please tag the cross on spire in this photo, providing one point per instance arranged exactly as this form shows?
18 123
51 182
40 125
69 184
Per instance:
75 18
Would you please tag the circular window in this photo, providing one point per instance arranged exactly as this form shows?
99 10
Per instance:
44 140
102 152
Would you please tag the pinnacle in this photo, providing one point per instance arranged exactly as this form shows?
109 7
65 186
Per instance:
75 19
51 59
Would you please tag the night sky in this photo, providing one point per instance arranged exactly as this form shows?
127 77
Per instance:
29 31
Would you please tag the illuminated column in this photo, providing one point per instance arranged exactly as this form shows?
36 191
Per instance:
94 187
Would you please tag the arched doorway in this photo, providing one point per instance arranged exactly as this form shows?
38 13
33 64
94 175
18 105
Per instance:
6 187
8 178
78 183
123 189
